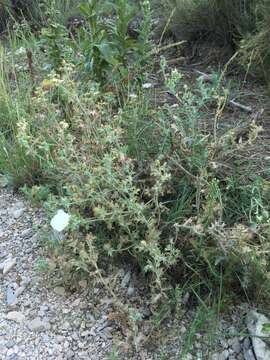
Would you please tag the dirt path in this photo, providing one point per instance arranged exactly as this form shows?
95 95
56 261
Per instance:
37 321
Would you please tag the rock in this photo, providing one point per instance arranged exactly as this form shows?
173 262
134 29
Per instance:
11 297
66 325
223 343
36 325
2 253
240 356
17 213
248 355
246 343
70 354
59 290
11 354
224 355
44 308
86 333
19 291
90 317
83 284
183 330
103 326
15 316
2 265
126 279
130 291
60 338
221 356
185 298
76 302
259 326
236 346
8 265
9 344
26 281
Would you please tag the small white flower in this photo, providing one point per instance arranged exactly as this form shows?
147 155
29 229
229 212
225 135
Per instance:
60 220
148 86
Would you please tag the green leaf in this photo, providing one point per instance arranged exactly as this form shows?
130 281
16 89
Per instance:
85 9
107 52
266 328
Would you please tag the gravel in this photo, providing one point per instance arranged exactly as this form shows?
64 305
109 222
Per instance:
36 320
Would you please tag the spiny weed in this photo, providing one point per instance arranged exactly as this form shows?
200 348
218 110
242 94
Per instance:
139 181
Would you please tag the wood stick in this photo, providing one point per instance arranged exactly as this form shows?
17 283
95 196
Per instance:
240 106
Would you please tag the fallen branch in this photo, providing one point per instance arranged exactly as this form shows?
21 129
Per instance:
240 106
209 78
166 47
206 77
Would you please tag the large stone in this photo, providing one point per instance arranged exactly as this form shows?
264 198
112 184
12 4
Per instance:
236 346
36 325
126 279
17 213
259 327
11 297
15 316
17 210
130 291
8 265
248 355
224 355
59 290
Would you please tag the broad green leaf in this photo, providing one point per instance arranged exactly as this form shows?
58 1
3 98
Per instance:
107 52
266 328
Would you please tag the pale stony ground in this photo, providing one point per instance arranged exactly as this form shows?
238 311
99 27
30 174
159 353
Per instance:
39 320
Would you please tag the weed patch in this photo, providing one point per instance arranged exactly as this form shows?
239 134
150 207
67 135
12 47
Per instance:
141 182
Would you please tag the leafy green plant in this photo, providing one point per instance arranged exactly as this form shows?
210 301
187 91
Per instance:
41 265
56 44
106 45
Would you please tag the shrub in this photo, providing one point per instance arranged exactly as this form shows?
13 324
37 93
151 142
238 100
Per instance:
167 205
36 12
142 182
255 51
242 24
223 21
